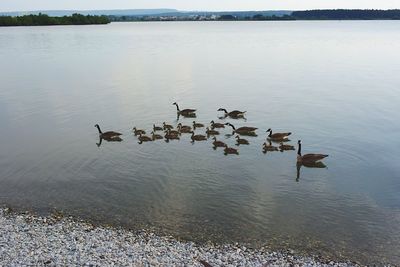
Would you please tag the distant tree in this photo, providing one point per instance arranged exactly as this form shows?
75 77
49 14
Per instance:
227 17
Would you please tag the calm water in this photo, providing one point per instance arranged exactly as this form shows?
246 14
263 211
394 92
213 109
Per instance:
335 85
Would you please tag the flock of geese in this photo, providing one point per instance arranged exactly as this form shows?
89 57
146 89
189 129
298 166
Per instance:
170 133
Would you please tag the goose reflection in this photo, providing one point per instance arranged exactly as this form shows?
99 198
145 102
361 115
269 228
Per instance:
108 139
318 164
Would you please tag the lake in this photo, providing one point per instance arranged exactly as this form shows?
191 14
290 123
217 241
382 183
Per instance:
334 84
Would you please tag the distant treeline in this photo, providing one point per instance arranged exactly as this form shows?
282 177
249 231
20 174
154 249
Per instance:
347 14
42 20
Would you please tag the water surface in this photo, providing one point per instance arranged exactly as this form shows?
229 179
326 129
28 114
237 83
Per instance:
334 84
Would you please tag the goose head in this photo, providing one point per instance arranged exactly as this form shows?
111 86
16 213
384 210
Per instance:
269 130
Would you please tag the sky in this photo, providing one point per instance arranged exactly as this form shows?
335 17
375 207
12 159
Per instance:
198 5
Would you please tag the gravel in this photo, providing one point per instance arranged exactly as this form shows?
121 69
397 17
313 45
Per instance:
29 240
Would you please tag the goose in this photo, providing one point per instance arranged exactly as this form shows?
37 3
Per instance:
216 125
197 125
107 135
269 147
198 137
143 138
181 127
173 132
156 136
218 143
277 136
230 150
167 126
283 147
170 136
187 111
157 128
242 130
138 131
308 158
233 114
211 132
240 141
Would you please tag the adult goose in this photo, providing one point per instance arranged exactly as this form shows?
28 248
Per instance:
277 136
107 135
217 125
233 114
230 150
217 143
138 131
184 112
198 137
308 158
242 130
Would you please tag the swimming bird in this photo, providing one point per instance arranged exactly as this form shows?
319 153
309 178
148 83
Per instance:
242 130
184 128
308 158
233 114
143 138
211 132
230 150
269 147
198 137
217 143
170 136
107 135
277 136
197 125
167 126
240 141
157 128
283 147
156 136
184 112
138 131
216 125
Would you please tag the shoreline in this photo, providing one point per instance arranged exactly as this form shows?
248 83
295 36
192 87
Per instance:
28 239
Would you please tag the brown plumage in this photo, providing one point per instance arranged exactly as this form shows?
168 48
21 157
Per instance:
156 136
283 147
184 128
157 128
183 112
277 136
167 126
197 125
216 125
198 137
230 150
143 138
308 158
171 136
218 143
240 141
232 114
211 132
138 131
242 129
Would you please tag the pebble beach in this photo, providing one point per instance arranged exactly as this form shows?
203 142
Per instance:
31 240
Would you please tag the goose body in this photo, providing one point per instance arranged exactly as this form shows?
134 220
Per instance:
233 114
172 132
277 136
197 125
167 126
283 147
107 135
240 141
217 125
242 129
308 158
230 150
269 147
143 138
138 131
157 128
187 111
170 136
217 143
156 136
198 137
211 132
184 127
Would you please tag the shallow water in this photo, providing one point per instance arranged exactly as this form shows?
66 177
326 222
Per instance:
335 85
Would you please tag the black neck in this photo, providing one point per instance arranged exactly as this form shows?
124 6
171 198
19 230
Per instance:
98 128
224 110
299 151
233 127
177 107
270 133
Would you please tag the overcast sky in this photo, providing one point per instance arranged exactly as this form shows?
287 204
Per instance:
20 5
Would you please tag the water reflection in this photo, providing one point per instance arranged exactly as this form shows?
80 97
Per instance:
318 164
109 139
